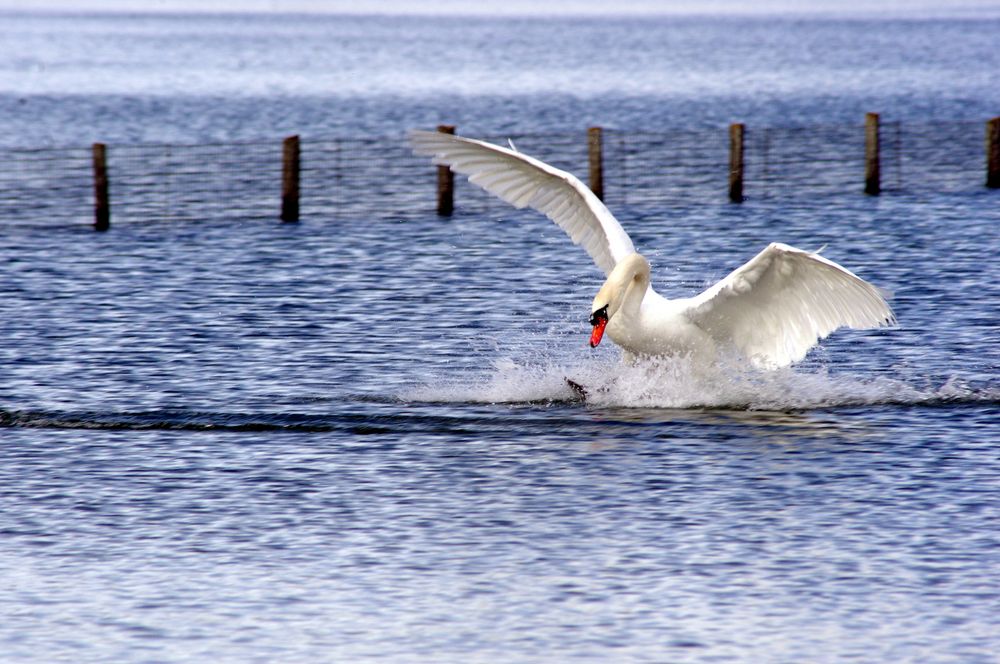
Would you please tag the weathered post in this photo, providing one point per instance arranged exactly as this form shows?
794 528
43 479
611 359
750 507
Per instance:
736 162
102 203
873 173
290 165
595 150
993 153
446 182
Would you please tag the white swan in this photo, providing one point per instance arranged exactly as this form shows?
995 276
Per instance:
772 310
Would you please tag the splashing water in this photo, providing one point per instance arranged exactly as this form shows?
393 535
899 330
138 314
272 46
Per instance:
680 383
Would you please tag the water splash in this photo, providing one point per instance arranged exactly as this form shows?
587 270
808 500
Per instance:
678 383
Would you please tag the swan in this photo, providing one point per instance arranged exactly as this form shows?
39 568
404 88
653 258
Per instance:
771 310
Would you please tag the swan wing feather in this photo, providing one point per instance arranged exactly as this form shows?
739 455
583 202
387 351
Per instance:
781 302
524 181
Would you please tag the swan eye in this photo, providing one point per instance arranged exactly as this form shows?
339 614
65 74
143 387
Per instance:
599 315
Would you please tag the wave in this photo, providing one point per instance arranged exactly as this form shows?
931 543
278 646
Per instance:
353 416
601 384
677 384
170 419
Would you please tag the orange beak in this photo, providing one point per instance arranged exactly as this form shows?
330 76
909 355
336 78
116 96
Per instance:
598 333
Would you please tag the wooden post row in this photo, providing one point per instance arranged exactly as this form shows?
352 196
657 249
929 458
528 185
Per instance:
873 171
736 162
595 152
102 202
993 153
290 166
446 182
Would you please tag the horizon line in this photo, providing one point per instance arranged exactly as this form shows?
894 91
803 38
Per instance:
927 9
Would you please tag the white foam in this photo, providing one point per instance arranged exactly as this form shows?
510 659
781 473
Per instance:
675 383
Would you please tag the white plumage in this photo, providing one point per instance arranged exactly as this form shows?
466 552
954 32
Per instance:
524 181
772 310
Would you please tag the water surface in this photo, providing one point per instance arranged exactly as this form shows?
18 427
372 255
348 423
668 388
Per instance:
351 439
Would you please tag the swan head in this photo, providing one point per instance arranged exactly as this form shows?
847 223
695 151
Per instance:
599 319
627 282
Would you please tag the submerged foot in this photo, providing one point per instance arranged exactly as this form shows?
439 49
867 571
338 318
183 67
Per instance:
578 389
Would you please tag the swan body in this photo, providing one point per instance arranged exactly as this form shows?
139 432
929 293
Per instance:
771 310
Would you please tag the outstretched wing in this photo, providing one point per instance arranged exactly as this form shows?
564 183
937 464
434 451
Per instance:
524 181
777 306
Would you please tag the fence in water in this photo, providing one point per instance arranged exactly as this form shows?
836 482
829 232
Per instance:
379 177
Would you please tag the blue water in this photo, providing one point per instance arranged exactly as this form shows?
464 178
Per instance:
351 439
74 80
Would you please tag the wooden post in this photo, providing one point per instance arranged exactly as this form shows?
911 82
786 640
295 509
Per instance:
446 182
873 174
595 149
102 202
290 165
993 153
736 162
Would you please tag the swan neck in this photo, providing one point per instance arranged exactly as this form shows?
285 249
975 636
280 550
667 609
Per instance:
635 285
625 287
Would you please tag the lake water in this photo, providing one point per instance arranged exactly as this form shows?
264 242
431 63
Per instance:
351 439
